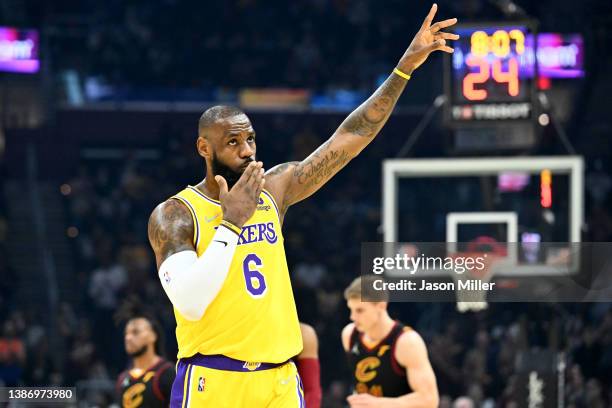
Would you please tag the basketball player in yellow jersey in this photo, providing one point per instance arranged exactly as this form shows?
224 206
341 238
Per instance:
220 256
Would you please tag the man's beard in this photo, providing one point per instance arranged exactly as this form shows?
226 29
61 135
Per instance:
139 352
231 176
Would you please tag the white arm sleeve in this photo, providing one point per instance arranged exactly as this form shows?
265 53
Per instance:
192 283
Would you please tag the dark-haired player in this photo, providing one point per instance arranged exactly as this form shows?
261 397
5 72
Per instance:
148 381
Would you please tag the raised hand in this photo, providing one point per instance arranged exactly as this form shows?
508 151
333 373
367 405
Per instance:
239 203
428 39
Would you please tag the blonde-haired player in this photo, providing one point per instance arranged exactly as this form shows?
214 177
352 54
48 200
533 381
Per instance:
388 360
220 255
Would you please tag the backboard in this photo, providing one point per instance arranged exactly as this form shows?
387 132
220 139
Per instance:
533 203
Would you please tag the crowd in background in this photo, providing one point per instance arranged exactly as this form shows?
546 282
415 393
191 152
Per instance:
221 45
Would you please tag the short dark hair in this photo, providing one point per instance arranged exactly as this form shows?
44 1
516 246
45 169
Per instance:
216 113
133 309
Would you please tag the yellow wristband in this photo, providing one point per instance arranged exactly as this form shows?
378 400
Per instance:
231 227
400 73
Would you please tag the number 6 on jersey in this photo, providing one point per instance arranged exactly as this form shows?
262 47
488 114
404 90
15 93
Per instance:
250 275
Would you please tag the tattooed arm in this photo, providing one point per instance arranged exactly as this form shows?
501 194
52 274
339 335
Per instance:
170 230
191 282
295 181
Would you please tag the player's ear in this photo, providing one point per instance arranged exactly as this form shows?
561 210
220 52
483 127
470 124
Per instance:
204 148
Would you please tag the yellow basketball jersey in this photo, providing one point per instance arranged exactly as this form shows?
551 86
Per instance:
253 318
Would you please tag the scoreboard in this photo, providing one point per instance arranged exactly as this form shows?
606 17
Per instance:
490 76
490 88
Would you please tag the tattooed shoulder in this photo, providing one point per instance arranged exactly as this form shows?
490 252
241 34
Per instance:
170 229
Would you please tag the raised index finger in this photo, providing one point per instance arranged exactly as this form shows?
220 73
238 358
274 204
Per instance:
430 17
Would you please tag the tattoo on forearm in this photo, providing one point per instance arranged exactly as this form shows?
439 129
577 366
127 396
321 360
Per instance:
321 167
366 121
370 117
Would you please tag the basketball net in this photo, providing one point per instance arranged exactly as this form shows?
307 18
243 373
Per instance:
474 299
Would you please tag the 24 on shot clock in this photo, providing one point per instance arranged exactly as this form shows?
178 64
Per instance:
490 77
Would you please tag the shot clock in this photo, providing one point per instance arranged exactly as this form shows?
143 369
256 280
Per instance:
490 74
489 86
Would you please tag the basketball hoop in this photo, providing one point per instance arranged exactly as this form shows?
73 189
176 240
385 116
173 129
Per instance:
471 279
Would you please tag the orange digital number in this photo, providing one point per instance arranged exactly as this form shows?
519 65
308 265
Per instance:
474 78
510 77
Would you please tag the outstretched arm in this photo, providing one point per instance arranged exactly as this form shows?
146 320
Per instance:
295 181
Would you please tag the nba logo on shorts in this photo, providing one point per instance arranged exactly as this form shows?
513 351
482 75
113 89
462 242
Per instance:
201 383
166 277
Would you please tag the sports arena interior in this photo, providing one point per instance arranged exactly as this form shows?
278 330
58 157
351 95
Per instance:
101 127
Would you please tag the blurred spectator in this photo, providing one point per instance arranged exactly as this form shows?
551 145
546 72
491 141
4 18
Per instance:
475 362
310 272
108 279
12 355
464 402
594 397
445 352
445 401
82 353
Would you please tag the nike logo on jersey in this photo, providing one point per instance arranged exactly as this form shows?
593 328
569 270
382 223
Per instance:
221 242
